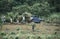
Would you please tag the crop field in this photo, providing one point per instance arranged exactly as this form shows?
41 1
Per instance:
29 19
24 31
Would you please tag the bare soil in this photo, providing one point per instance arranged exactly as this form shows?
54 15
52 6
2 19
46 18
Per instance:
41 28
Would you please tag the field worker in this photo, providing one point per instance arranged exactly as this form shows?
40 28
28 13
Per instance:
17 21
11 20
31 18
23 20
33 26
3 19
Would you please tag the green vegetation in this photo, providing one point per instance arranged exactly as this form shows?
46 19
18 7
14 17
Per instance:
13 8
29 36
1 24
49 10
54 18
37 7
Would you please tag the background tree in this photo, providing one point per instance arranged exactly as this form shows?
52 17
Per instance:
5 6
1 24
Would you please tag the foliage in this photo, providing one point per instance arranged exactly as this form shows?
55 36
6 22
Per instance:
18 29
2 33
41 9
1 23
56 4
12 33
5 6
54 18
29 36
37 7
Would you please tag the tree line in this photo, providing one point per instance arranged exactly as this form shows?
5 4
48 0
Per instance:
40 8
33 6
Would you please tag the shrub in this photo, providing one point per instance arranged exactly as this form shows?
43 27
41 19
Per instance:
16 37
38 37
18 29
12 33
48 38
3 33
5 37
54 18
27 37
11 37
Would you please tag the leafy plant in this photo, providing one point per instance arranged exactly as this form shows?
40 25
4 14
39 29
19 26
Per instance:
5 37
18 29
54 18
1 23
12 33
16 37
2 33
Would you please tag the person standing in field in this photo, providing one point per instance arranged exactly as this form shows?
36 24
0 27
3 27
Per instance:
31 18
33 26
23 19
11 20
3 19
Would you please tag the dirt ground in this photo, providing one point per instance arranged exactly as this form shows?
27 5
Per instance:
41 28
